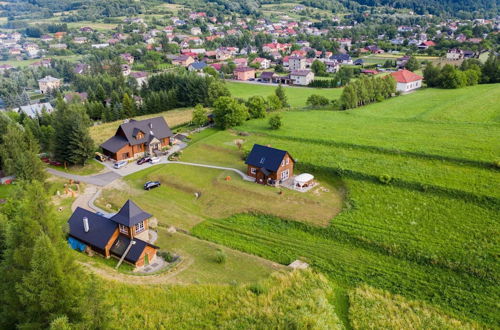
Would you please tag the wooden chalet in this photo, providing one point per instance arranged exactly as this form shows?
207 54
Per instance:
135 138
269 165
123 235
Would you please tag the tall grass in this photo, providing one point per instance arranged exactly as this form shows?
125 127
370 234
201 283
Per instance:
284 241
296 300
377 309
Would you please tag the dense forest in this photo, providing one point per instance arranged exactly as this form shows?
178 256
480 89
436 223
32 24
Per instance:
112 8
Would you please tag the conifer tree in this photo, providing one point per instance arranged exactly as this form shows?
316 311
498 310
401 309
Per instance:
128 106
280 93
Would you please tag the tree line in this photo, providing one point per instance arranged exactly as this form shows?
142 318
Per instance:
470 72
367 90
42 286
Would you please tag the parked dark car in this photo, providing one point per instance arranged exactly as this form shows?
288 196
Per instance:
143 160
151 184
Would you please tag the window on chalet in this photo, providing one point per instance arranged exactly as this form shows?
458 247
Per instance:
288 161
139 136
283 162
139 227
123 229
253 170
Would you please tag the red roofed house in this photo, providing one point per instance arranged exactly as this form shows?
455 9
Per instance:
407 81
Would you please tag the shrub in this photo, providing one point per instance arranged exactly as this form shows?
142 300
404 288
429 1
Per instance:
257 288
275 121
385 178
316 101
496 163
220 256
167 256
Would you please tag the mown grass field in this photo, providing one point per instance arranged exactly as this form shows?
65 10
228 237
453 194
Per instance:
176 117
297 96
434 225
427 237
219 198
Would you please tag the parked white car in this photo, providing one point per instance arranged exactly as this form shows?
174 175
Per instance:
120 164
155 160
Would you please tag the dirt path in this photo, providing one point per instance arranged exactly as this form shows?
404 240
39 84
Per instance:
167 277
83 199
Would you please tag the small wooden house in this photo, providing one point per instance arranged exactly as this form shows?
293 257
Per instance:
269 165
124 233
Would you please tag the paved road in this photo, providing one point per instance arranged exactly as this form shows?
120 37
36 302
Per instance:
101 179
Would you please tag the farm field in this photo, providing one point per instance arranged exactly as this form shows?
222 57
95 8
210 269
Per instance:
297 96
176 117
429 219
406 220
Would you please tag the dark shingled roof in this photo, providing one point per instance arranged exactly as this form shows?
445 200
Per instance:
152 127
130 214
121 243
100 228
114 144
265 157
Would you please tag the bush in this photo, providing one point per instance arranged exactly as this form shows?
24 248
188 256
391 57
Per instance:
257 288
275 121
316 101
167 256
496 163
385 178
220 256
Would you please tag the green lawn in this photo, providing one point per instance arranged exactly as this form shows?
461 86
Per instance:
219 197
297 96
414 180
92 167
24 63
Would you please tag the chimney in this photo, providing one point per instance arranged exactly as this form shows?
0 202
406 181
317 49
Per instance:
86 224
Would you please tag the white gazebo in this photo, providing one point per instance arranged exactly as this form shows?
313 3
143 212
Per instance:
303 182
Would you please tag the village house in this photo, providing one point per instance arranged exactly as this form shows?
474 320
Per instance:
263 63
196 31
240 62
128 58
296 63
244 73
34 110
140 77
124 235
269 165
197 66
407 81
302 77
80 40
135 138
182 60
454 54
48 83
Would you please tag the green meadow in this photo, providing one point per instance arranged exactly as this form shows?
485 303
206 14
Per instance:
403 223
297 96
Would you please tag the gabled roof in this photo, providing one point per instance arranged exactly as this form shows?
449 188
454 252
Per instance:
114 144
152 127
130 214
303 73
265 157
100 228
405 76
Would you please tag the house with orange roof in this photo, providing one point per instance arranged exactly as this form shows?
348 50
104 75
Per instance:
407 81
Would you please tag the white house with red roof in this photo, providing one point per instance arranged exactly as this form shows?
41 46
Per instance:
407 81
